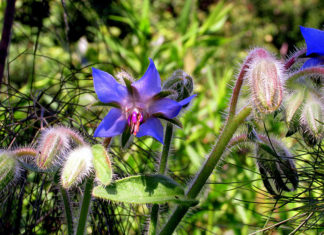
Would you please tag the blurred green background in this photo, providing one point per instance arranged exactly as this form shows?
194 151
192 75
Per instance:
53 47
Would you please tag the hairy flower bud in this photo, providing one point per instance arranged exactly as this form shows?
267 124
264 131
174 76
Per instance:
77 165
9 169
293 109
266 83
312 120
52 144
277 167
181 83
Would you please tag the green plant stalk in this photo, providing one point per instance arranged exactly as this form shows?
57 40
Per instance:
67 209
162 170
85 207
200 179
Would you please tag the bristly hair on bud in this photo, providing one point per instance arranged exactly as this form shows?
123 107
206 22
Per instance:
52 145
266 80
276 166
9 169
78 165
312 118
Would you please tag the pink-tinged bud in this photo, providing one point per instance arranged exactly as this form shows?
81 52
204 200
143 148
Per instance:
9 170
54 142
266 82
78 165
312 120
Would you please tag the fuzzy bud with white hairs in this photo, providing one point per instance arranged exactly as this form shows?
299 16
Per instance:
266 79
52 145
78 165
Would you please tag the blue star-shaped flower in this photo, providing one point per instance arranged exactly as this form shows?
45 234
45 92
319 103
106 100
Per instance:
138 104
314 39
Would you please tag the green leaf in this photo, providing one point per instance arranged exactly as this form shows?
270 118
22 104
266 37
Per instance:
185 16
143 189
102 164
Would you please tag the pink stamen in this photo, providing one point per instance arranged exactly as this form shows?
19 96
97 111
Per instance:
134 121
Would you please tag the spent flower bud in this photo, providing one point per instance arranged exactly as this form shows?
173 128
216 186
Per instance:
78 164
266 82
53 143
276 166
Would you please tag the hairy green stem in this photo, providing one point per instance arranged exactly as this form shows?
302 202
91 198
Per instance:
162 170
202 176
67 209
81 229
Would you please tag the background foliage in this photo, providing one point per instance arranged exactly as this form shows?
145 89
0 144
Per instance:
53 47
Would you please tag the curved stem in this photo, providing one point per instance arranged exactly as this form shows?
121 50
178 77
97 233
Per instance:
85 207
293 58
162 170
200 179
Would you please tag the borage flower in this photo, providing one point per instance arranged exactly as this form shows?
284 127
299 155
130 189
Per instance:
138 104
314 39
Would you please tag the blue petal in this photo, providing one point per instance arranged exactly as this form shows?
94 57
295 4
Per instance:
107 88
150 83
152 127
312 62
113 124
186 100
314 39
169 108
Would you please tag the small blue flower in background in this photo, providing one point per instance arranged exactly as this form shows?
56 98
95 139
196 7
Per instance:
314 39
138 104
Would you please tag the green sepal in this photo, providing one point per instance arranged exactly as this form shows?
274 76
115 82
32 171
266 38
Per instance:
102 164
163 94
142 189
174 121
110 104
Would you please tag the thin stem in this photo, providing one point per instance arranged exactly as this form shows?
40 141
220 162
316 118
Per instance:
166 149
85 207
200 179
312 71
6 33
294 58
67 209
162 170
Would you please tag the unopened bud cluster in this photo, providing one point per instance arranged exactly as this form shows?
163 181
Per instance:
58 146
